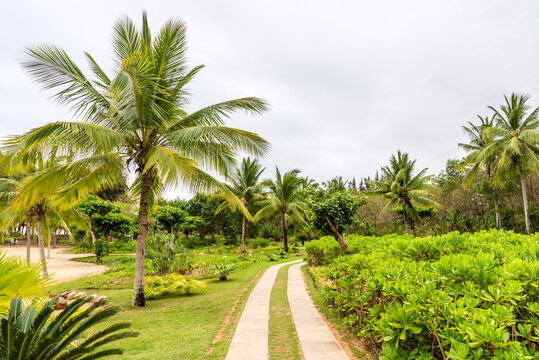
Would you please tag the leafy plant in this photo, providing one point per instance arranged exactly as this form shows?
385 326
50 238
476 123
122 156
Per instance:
223 270
27 332
101 249
157 286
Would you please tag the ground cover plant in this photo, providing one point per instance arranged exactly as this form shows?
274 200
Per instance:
458 296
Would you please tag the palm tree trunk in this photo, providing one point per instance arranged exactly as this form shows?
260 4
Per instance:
285 236
495 200
138 290
40 242
524 196
49 246
405 213
28 236
243 235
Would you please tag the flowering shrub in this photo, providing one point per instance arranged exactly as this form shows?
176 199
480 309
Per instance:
162 252
456 296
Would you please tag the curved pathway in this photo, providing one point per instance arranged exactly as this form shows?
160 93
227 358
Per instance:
316 340
250 341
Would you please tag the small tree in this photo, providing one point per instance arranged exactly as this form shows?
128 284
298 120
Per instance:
334 212
170 216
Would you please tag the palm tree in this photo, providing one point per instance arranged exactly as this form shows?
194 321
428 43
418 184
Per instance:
515 144
478 141
246 186
399 184
137 117
44 188
285 202
32 333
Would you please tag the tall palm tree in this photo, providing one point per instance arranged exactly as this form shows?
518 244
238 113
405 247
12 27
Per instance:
478 141
285 202
245 184
401 187
137 116
515 144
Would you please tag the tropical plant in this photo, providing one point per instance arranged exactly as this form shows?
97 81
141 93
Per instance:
514 145
285 202
334 212
479 141
222 270
29 332
46 187
157 286
137 117
403 188
168 217
21 280
247 187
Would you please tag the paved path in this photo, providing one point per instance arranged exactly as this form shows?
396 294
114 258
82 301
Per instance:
316 340
250 341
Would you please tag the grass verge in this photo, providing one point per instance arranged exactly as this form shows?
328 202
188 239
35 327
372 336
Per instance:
283 340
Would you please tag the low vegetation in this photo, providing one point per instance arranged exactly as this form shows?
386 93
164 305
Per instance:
455 296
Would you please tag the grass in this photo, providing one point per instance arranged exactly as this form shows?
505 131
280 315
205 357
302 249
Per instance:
178 327
283 341
358 349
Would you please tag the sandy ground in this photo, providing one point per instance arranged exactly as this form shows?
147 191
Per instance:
60 265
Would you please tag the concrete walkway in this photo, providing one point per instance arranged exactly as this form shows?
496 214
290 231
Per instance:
250 341
316 340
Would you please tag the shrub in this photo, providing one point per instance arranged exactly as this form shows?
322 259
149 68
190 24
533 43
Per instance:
259 243
101 249
156 286
223 270
161 251
122 247
454 296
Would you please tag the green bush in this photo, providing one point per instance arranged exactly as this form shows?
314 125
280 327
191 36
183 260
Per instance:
122 247
457 296
156 286
259 243
101 249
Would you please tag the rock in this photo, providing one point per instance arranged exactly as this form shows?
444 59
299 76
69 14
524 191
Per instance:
61 303
65 293
71 295
99 298
79 295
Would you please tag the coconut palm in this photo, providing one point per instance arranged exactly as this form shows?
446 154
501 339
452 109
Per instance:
137 116
478 141
44 188
515 144
27 332
245 184
285 202
401 187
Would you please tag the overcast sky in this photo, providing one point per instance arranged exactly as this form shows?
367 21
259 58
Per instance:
349 82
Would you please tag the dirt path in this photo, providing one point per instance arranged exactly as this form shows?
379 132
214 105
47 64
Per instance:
59 265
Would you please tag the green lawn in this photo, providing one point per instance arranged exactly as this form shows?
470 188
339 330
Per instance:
283 341
177 327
